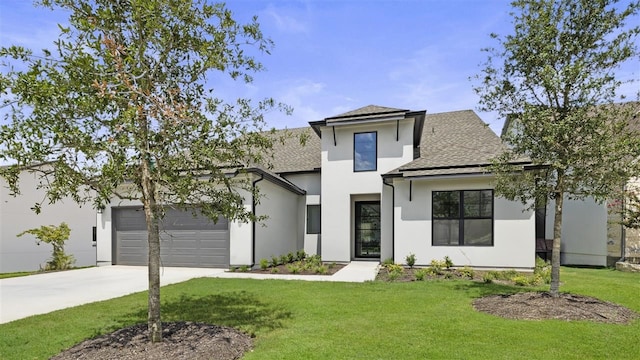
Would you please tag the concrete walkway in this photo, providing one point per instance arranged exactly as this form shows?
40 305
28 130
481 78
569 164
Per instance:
25 296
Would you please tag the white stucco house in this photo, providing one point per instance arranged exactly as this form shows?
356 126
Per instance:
16 216
373 183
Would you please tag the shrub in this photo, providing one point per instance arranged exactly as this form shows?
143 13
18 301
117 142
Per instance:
284 259
467 272
420 274
244 268
411 260
264 264
291 257
447 262
489 276
322 269
436 266
301 255
395 271
521 280
56 236
275 261
543 270
294 268
274 270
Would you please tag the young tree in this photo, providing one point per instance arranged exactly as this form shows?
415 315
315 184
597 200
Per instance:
56 236
124 99
554 80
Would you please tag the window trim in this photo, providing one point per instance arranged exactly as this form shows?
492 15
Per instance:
307 230
375 165
461 217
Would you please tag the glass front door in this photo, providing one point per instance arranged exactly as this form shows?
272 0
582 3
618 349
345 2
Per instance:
367 229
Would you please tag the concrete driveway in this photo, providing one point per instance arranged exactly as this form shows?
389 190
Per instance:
25 296
21 297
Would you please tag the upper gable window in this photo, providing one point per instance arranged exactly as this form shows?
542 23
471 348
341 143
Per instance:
365 151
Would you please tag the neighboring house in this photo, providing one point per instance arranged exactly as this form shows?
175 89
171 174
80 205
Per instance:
591 233
374 183
16 216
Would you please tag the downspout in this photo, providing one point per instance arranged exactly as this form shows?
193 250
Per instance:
253 223
393 219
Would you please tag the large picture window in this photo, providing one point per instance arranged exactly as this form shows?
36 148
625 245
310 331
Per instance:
313 219
462 218
365 151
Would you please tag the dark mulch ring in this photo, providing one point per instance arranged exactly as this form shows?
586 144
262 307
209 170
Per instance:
181 340
541 306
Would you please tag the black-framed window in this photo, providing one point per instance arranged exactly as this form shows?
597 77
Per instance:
462 218
365 151
313 219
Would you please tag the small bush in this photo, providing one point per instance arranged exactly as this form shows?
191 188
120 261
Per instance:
264 264
447 262
275 261
420 274
332 265
291 257
284 259
542 270
467 272
395 271
521 280
436 266
301 255
294 268
411 260
274 270
322 269
244 268
488 277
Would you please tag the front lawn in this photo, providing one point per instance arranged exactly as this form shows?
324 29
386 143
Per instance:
376 320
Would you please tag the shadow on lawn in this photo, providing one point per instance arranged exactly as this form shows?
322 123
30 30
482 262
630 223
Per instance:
240 310
480 289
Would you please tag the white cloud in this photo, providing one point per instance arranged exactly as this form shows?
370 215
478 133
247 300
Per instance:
284 22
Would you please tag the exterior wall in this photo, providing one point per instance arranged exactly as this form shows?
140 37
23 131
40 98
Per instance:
279 233
340 182
584 232
514 229
16 216
311 183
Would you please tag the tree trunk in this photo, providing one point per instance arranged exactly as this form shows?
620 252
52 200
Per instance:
555 254
151 214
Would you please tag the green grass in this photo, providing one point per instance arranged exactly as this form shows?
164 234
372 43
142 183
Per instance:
320 320
36 272
16 274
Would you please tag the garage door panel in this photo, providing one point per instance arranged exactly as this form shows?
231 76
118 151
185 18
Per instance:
191 242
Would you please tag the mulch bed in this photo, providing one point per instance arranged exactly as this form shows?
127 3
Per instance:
542 306
181 341
284 270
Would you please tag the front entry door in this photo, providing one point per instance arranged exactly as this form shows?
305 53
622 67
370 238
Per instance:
367 229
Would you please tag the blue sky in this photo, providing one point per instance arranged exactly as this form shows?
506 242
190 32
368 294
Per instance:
334 56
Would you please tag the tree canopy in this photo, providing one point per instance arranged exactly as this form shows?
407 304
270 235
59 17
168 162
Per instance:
554 81
123 98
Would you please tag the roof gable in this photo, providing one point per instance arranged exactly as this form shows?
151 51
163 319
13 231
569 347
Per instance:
367 112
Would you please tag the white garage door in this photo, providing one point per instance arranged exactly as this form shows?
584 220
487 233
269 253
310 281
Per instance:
185 240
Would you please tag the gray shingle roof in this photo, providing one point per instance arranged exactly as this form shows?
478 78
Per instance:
455 139
292 156
456 142
367 111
